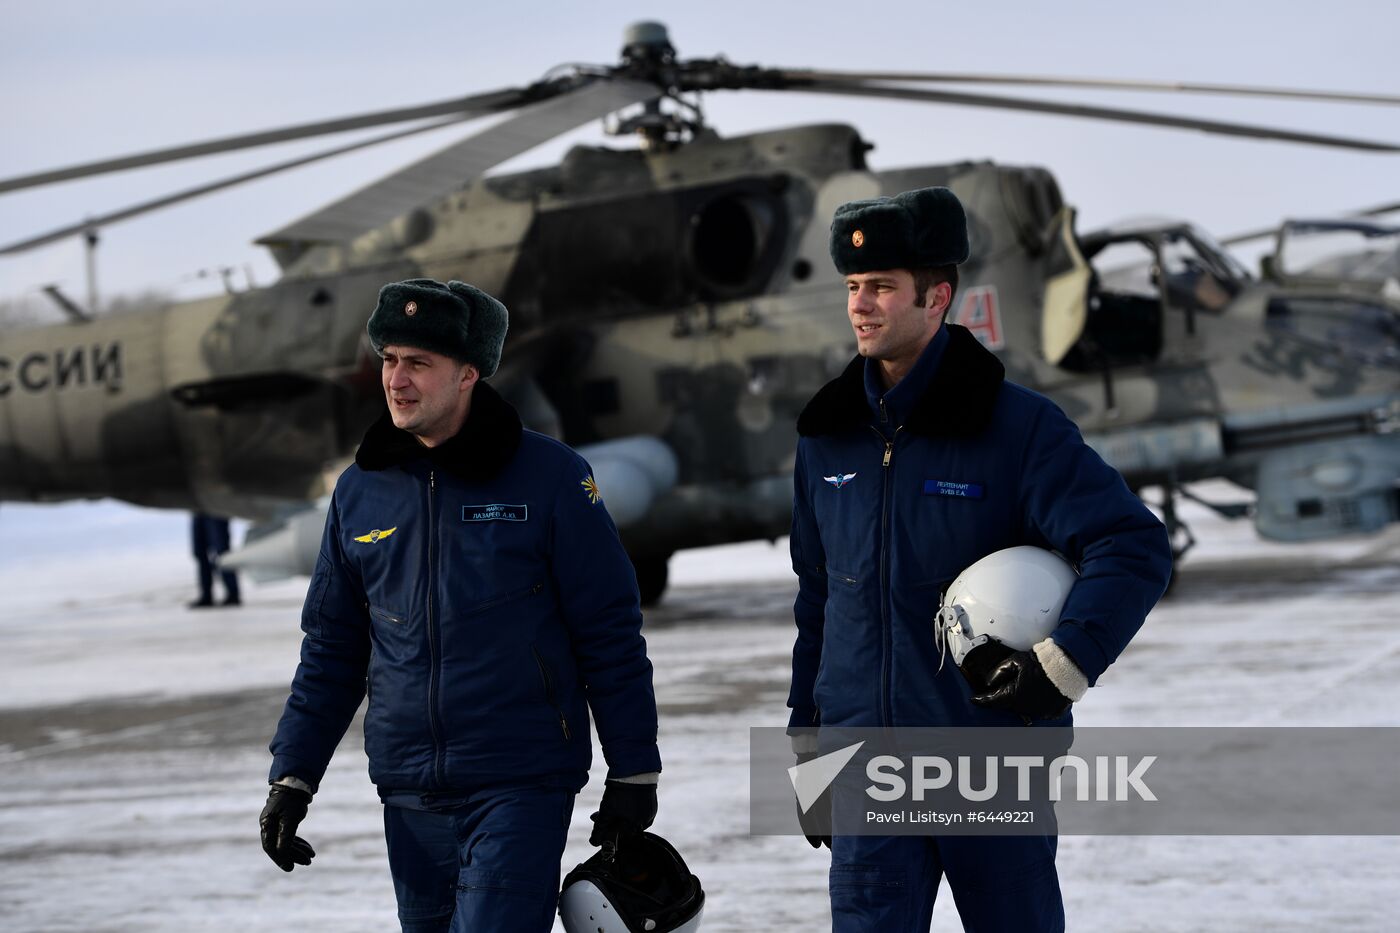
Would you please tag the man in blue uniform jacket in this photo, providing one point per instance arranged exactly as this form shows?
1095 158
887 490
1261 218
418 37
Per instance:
913 464
471 582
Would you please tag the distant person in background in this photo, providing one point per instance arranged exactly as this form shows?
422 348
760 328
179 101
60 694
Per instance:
209 536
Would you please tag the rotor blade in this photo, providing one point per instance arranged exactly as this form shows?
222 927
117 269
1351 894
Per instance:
147 206
460 163
1112 84
475 105
1148 118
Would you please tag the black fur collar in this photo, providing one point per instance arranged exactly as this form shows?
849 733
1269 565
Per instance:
957 403
487 442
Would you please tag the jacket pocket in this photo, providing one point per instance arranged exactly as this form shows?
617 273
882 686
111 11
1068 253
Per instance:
385 615
548 682
504 598
839 576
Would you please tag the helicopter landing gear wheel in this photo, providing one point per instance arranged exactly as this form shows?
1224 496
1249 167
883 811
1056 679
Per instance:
1178 533
1179 536
652 573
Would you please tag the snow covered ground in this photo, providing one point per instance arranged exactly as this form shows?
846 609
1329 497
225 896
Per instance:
133 734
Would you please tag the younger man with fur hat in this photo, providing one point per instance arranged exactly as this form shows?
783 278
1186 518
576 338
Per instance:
919 460
471 581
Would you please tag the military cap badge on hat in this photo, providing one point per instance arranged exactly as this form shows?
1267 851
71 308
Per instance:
920 229
454 319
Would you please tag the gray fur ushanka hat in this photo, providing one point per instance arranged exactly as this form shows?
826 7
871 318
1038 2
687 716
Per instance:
455 319
920 229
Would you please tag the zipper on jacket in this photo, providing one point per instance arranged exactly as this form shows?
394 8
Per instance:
886 633
438 751
549 692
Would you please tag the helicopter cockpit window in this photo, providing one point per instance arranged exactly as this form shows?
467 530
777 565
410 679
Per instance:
1126 268
1362 253
1218 255
1197 277
1124 324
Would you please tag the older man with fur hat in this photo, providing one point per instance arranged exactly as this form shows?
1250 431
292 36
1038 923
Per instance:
471 582
916 462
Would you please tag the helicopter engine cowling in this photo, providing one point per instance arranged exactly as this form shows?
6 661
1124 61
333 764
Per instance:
289 547
651 251
631 472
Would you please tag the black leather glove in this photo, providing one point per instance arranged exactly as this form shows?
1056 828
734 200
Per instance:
626 810
815 840
286 808
810 820
1019 684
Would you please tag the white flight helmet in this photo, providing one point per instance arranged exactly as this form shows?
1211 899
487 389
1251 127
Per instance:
643 886
1011 597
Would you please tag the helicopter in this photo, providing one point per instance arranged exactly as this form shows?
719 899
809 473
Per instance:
672 311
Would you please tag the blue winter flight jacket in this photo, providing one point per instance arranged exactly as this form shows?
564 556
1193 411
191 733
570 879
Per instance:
896 493
479 593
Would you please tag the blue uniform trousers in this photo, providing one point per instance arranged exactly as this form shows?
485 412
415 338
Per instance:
488 863
888 883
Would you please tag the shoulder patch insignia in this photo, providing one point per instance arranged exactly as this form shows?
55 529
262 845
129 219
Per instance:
590 487
840 479
375 536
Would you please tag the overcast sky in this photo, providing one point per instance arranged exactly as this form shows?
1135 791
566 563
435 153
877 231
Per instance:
87 80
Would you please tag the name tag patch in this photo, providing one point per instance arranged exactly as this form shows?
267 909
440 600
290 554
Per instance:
495 512
942 487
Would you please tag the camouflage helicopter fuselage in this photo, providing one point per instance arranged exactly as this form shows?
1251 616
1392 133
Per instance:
683 294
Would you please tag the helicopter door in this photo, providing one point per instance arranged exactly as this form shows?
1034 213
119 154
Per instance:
1065 308
1123 326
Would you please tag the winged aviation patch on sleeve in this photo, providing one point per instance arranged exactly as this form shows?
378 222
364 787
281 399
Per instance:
840 479
375 536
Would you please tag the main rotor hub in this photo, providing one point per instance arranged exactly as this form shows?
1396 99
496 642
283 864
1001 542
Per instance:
647 43
648 55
